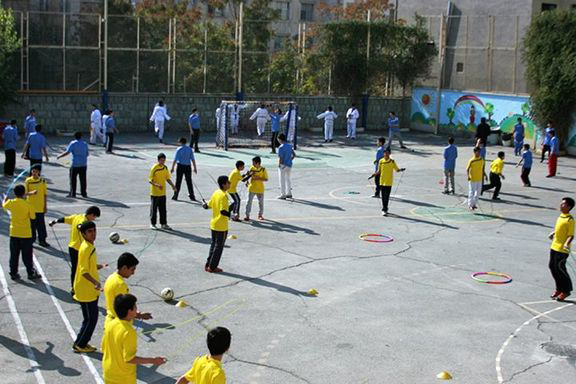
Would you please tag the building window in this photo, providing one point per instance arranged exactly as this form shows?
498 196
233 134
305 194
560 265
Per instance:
284 9
459 67
306 12
548 7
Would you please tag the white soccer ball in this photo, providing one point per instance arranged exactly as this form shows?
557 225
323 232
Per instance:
167 294
114 237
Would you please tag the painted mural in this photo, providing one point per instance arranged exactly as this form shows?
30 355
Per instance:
461 112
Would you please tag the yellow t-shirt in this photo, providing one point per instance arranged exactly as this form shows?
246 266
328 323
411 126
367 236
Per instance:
563 230
158 175
21 212
475 169
75 236
234 177
206 370
219 202
84 290
257 186
497 166
119 345
38 201
114 286
386 170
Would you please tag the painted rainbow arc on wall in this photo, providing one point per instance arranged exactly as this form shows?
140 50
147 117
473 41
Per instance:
468 99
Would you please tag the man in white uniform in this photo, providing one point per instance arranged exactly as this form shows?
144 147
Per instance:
352 116
261 115
96 126
328 117
159 117
235 116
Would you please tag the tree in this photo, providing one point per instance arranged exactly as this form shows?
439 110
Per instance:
10 43
450 113
489 110
550 56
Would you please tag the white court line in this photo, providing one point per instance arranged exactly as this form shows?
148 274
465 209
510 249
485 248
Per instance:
513 335
23 336
66 321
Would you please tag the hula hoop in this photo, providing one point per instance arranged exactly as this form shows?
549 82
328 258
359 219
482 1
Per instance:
376 238
507 278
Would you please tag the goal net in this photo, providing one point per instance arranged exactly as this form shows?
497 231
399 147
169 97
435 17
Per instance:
251 123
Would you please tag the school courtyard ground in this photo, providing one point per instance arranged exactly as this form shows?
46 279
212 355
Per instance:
391 312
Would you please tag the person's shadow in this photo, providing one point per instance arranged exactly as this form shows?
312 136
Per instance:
148 330
268 284
282 227
47 360
146 373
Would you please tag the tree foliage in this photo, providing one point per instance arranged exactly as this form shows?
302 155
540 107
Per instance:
9 44
550 56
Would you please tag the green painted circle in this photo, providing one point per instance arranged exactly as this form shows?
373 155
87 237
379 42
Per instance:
453 214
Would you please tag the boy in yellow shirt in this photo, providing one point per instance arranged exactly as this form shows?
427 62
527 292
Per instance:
496 168
560 249
218 225
235 177
208 369
21 214
475 172
120 344
159 176
91 214
87 287
115 285
256 176
36 195
385 175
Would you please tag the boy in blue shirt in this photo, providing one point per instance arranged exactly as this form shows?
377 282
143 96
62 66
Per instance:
194 125
79 150
527 160
110 129
394 130
379 155
285 156
10 137
518 137
275 117
35 146
546 141
554 152
450 155
182 159
30 123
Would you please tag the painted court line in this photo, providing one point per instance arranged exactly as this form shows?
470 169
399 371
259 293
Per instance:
23 336
66 321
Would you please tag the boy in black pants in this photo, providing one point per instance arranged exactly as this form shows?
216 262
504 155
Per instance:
219 224
560 250
234 178
385 176
379 155
496 169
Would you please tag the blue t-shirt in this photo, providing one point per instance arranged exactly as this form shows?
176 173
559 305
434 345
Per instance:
36 142
554 145
393 124
110 124
194 121
519 132
450 155
285 154
79 151
275 122
184 155
10 137
548 137
379 155
527 157
30 125
483 152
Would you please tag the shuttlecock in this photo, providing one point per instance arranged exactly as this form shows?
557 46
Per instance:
232 237
312 291
181 304
444 375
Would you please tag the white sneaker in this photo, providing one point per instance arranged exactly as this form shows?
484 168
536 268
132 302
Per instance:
166 227
153 226
281 197
384 213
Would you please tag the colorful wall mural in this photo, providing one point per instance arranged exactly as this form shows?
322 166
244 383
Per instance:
461 112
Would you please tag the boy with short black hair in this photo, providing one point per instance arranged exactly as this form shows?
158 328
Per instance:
496 168
234 177
91 214
219 224
553 156
394 130
36 190
256 176
450 156
10 137
182 159
115 285
208 369
194 125
158 177
79 150
120 344
21 214
285 156
35 147
527 166
379 156
109 126
475 172
560 250
386 168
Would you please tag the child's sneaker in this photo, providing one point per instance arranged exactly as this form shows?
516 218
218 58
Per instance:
166 227
247 218
281 197
555 295
562 296
87 349
260 217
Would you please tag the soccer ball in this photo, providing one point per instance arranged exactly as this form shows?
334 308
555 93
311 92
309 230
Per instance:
167 294
114 237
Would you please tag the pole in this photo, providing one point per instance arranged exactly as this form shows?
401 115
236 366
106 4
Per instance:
441 74
205 70
240 43
105 45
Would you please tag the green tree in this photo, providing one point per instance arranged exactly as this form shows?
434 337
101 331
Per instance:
450 113
9 44
489 110
525 109
550 55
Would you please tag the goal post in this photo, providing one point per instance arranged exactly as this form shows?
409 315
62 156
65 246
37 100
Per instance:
236 130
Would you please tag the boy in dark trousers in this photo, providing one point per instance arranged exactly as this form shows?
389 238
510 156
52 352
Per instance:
527 160
496 168
379 156
560 250
219 224
386 168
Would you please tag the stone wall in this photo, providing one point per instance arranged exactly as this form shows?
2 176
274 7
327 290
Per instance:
69 113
